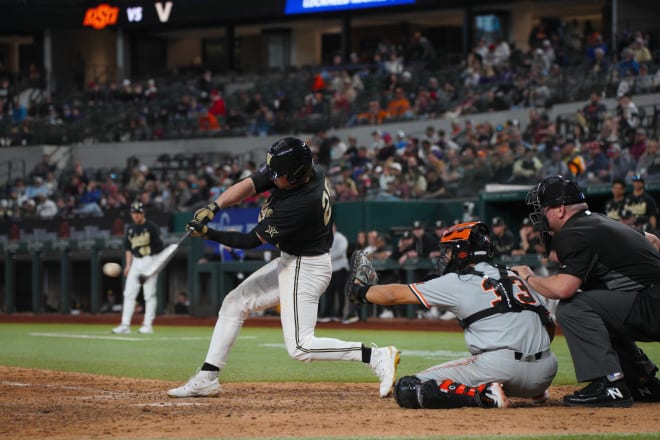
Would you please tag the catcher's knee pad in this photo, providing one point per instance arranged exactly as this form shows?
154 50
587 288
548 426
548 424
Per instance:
446 395
405 391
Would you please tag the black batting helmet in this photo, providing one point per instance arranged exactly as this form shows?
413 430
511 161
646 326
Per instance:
290 157
469 242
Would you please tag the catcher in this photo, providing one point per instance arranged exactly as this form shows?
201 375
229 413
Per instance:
508 330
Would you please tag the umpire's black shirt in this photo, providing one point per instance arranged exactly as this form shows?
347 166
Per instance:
606 254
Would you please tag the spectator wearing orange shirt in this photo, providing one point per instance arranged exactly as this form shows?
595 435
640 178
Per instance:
374 115
399 106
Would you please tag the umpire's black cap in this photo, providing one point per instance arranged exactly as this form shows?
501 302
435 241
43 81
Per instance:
556 191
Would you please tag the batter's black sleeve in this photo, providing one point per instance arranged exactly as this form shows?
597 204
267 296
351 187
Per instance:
262 182
234 239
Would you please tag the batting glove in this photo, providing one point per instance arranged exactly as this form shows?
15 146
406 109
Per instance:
206 214
197 229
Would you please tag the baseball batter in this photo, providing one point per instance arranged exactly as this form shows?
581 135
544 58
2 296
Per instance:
504 321
141 242
297 218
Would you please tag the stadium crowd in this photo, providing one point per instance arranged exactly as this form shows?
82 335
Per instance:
601 145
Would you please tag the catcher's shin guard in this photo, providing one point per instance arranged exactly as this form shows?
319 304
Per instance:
406 390
448 394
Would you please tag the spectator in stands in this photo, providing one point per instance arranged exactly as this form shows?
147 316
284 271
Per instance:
628 120
628 63
526 167
35 188
554 165
6 93
642 203
622 165
638 145
205 86
399 106
217 107
644 83
641 53
89 202
649 162
46 208
599 67
619 199
598 166
591 116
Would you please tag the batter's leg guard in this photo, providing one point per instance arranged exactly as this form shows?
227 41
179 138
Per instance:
406 390
448 394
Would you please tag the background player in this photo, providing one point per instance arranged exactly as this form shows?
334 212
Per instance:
504 324
297 218
141 242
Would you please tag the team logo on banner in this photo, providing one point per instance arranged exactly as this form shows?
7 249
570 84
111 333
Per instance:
101 16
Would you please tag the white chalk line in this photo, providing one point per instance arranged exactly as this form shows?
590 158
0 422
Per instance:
149 338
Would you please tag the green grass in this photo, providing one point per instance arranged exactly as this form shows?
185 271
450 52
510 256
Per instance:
174 353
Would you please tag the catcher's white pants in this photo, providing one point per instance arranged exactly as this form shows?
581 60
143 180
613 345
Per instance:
520 378
296 283
132 289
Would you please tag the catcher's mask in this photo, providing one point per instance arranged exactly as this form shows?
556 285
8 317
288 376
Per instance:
289 157
551 192
462 245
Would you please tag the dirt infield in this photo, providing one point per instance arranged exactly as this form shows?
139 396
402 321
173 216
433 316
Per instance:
38 404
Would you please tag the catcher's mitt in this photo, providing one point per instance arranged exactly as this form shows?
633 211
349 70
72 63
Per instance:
363 275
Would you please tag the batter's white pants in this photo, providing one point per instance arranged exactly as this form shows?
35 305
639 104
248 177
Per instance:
296 283
132 289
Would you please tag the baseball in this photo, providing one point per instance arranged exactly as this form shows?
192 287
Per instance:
112 270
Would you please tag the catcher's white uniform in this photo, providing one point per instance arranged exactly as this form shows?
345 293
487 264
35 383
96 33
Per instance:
512 348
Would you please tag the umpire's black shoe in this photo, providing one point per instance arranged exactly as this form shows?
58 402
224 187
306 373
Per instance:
601 392
649 391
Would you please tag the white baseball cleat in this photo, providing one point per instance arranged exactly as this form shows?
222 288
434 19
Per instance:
146 330
384 362
121 330
541 398
495 393
202 384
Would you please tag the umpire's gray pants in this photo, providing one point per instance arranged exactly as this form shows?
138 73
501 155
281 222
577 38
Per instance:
600 342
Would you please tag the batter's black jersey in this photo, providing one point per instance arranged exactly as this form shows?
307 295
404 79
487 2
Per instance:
143 240
299 220
606 254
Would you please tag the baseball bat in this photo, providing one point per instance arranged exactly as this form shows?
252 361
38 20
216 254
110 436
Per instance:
163 258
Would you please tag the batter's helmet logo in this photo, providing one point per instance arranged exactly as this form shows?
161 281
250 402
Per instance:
272 231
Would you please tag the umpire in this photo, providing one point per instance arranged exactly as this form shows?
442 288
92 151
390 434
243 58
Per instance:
608 284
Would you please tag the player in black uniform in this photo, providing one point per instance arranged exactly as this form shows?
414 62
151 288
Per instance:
642 203
141 243
619 200
608 285
297 218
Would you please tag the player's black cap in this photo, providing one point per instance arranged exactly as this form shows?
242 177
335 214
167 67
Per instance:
418 224
625 214
638 178
137 206
440 224
497 221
